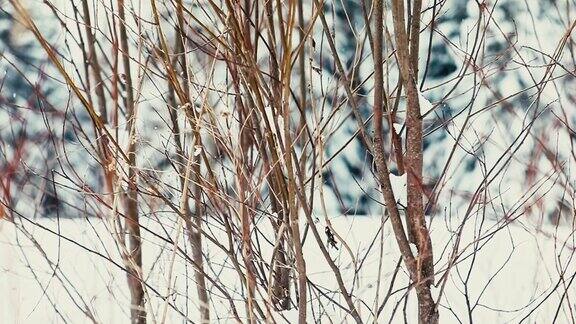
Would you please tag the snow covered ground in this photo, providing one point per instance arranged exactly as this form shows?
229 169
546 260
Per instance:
519 273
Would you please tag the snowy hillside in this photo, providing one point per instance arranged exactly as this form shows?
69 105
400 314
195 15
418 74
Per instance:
499 97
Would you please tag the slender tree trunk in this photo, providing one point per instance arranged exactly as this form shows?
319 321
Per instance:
193 226
137 311
422 271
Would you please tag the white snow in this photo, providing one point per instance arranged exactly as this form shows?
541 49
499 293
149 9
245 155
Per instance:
197 150
399 187
514 270
397 128
425 104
